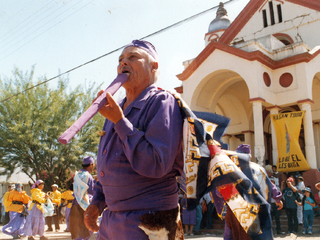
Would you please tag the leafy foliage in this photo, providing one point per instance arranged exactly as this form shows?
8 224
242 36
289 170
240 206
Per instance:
31 123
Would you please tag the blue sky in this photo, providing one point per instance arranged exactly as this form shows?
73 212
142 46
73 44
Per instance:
59 35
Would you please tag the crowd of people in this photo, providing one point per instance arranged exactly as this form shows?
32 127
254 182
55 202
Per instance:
300 205
28 215
139 158
294 194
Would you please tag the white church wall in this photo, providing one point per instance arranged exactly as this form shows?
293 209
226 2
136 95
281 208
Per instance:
299 23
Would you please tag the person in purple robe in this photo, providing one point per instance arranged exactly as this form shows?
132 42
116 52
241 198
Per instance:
140 155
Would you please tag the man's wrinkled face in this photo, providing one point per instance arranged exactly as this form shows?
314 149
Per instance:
136 62
54 188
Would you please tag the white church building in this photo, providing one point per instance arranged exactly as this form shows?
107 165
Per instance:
266 61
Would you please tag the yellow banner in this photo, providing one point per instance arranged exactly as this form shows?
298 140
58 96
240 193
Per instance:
287 127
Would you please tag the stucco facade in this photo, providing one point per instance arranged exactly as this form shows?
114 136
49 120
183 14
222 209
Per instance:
266 62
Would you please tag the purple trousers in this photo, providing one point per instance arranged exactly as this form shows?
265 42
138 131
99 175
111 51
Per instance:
121 225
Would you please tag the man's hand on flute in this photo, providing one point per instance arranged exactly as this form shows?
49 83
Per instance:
111 110
90 218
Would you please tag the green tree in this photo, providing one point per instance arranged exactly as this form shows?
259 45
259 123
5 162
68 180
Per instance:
31 123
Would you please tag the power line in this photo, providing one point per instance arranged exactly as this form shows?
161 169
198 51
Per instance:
30 34
24 22
115 50
14 15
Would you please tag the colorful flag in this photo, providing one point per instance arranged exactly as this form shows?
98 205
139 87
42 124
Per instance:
208 169
287 127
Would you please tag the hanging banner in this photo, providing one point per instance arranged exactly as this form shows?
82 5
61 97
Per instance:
287 127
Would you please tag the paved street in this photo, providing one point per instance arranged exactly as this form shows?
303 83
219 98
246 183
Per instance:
212 235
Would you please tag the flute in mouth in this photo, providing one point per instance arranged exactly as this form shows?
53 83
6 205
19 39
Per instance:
93 109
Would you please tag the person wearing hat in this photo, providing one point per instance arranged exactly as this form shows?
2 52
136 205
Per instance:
55 197
275 211
290 195
6 204
268 190
35 221
17 200
66 202
83 185
140 153
308 203
300 186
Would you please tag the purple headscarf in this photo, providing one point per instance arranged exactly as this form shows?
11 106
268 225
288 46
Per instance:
87 160
146 46
243 148
39 181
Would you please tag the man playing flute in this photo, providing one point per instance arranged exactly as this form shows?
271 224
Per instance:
140 154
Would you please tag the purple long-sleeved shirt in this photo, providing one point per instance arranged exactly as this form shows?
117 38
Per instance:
140 156
275 193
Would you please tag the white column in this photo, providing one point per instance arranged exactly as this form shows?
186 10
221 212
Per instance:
308 135
259 148
233 143
317 142
274 110
248 137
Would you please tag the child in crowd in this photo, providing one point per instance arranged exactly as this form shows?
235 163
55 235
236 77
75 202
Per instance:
308 203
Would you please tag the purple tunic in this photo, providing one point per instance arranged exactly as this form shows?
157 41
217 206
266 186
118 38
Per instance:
140 156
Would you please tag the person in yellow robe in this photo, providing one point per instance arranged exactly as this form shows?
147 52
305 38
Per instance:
6 204
55 197
17 201
35 221
67 198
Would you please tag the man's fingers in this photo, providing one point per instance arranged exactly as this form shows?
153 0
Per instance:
110 99
99 93
91 223
90 218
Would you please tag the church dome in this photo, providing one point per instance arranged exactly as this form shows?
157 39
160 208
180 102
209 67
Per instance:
221 21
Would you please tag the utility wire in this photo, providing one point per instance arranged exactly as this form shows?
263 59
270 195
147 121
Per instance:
30 34
25 22
115 50
14 15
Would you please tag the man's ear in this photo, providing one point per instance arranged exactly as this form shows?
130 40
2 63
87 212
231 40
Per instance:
154 66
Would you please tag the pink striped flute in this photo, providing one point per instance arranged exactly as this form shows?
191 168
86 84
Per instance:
93 109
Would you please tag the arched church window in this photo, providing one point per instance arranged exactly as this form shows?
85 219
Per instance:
284 38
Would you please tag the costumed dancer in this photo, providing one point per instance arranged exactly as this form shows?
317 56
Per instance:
55 197
35 221
67 198
83 185
6 204
262 183
139 156
17 201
